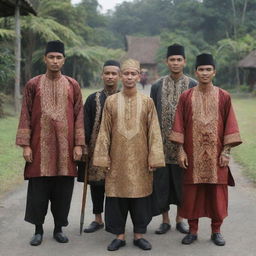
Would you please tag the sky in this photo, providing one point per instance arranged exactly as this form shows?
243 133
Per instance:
106 4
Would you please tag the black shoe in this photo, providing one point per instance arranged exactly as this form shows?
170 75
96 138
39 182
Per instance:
182 228
116 244
142 244
94 226
189 239
218 239
36 240
163 228
60 237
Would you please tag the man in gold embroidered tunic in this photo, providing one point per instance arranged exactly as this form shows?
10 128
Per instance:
205 127
93 109
51 133
168 180
129 144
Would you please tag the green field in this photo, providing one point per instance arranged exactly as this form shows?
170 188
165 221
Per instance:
12 163
245 154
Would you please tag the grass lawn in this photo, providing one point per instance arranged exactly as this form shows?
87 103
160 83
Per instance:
12 163
245 154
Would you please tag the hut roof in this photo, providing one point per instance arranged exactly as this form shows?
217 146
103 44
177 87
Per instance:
249 61
143 49
7 7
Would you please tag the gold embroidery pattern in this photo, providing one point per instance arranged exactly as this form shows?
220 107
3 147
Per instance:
95 173
23 137
171 91
205 108
54 125
129 107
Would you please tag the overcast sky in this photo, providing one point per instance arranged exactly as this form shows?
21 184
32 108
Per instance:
106 4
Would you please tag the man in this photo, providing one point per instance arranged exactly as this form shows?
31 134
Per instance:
129 145
205 127
168 180
93 108
51 133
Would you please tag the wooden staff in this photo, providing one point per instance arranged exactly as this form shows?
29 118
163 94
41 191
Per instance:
84 193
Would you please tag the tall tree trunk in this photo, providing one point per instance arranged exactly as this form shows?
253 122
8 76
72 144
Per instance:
17 95
244 11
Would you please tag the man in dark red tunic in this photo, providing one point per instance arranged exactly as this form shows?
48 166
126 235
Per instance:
51 133
205 128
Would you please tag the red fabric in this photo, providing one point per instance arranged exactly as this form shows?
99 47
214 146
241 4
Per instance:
30 131
204 200
193 226
182 131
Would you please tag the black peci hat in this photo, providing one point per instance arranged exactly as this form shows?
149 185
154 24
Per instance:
204 59
175 49
55 46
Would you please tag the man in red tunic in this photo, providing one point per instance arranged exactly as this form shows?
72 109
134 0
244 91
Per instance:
51 133
205 127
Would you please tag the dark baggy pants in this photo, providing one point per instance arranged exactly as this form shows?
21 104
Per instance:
167 188
41 190
116 211
97 195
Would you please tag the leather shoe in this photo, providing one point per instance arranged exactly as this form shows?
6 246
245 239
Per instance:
218 239
36 240
94 226
182 228
60 237
142 244
189 239
163 228
116 244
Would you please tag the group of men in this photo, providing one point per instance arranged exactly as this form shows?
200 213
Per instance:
144 153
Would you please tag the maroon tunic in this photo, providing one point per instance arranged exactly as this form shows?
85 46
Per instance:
51 123
204 123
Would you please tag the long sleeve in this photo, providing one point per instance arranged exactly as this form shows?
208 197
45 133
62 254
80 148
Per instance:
231 133
24 128
156 154
101 156
78 116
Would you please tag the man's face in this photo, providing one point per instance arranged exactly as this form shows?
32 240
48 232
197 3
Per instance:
110 75
205 74
176 63
54 61
130 77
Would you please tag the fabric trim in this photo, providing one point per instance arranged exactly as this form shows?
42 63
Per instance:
176 137
23 137
232 139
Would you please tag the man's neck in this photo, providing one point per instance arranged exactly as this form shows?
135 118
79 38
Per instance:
205 87
176 76
53 75
129 91
110 89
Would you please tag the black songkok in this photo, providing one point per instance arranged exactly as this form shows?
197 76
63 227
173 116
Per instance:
111 63
55 46
204 59
175 49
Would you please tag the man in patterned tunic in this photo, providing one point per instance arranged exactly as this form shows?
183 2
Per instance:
51 133
168 180
129 145
205 129
93 108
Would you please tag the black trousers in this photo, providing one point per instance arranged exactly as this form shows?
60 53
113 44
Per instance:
41 190
116 211
97 195
167 188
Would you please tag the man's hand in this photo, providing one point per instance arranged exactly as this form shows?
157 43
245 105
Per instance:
77 153
27 154
151 169
183 161
223 160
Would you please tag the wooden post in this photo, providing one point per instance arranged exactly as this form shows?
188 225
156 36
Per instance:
17 96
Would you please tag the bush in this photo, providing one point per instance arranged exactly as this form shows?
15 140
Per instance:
2 100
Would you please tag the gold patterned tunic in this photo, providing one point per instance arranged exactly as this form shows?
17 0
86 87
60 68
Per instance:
128 143
51 123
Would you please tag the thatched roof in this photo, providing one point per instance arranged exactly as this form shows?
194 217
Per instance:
143 49
7 7
249 61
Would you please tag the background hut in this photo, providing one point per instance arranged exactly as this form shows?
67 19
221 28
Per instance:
144 49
